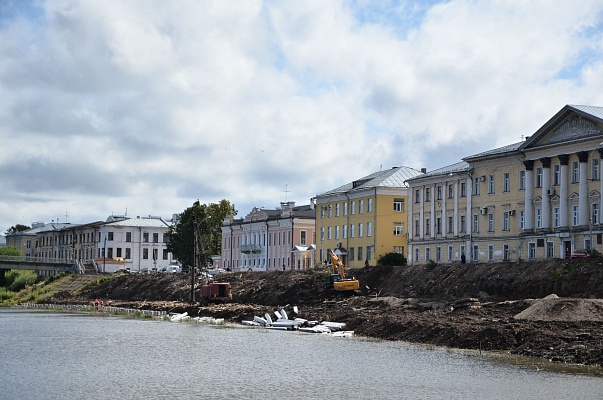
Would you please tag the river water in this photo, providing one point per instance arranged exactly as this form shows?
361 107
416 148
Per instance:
48 355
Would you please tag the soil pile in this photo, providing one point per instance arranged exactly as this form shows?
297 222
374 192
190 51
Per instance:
487 307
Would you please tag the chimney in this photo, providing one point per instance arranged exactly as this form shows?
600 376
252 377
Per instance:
423 170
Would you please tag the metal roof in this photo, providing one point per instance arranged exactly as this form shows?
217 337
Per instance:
592 110
495 152
140 222
395 177
450 169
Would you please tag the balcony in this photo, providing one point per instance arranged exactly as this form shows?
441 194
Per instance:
251 248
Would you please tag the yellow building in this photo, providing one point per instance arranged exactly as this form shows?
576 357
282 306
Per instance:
536 199
364 219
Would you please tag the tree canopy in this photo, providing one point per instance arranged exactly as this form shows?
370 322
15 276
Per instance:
208 220
10 251
17 228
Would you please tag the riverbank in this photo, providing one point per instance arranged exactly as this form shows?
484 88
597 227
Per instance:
461 306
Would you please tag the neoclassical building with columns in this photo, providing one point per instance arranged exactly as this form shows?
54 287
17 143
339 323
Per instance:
536 199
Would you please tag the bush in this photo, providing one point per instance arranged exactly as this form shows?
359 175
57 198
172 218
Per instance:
392 259
5 294
18 279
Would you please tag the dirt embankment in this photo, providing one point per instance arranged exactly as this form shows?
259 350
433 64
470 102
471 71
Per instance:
464 306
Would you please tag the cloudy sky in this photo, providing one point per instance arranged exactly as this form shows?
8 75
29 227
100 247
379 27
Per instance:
147 106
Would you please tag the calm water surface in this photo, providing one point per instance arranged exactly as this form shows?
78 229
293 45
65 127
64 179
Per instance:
66 356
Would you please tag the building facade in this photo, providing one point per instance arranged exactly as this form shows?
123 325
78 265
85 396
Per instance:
364 219
268 240
536 199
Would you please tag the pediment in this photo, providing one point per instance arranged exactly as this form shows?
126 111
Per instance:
568 125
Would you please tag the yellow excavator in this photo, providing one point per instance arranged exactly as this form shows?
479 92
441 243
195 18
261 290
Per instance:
337 281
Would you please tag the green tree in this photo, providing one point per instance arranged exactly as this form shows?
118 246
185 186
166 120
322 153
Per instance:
392 259
207 218
17 228
10 251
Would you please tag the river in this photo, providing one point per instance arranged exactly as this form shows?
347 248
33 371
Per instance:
49 355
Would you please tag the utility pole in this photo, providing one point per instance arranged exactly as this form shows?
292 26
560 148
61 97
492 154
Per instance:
195 257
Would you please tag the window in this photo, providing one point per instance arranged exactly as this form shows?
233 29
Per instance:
439 192
351 230
438 253
329 232
322 211
539 177
165 254
490 252
438 226
165 238
463 227
128 253
595 169
556 174
521 219
491 184
345 209
398 229
417 227
417 195
399 249
155 237
399 205
110 252
360 231
476 186
359 253
450 224
531 250
352 208
337 232
155 254
450 251
463 189
505 221
145 237
475 223
360 206
538 218
344 231
369 206
416 254
506 182
427 255
555 217
322 234
330 211
522 180
427 194
490 222
118 251
575 172
302 240
369 253
369 229
505 252
128 236
450 191
427 226
595 213
550 249
575 215
475 252
337 210
109 236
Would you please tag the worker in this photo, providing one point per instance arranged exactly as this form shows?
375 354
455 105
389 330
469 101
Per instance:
366 263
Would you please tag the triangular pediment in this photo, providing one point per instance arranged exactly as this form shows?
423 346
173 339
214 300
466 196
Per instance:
571 124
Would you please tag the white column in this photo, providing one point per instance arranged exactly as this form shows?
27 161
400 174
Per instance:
546 185
563 190
529 196
422 213
432 210
456 209
583 213
444 216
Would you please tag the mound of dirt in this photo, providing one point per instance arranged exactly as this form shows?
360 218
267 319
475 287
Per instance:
553 308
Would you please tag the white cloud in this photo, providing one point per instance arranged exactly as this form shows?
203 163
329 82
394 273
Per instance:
153 105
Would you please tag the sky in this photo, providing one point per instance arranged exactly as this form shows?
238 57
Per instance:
143 107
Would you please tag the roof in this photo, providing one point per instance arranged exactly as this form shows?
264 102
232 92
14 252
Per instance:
140 222
462 166
43 228
305 211
595 111
395 177
496 152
